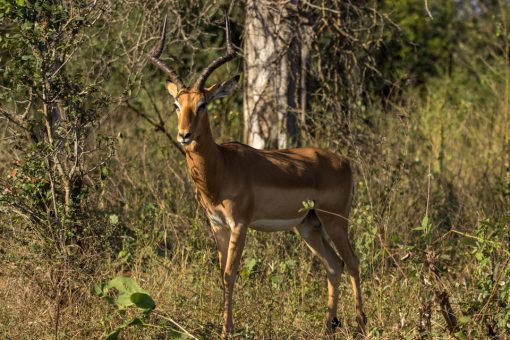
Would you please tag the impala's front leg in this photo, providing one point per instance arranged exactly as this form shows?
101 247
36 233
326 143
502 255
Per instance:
222 239
235 250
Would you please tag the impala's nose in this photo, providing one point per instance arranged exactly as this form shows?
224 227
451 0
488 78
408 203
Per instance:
184 137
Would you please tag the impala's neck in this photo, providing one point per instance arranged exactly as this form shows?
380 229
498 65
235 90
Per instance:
204 163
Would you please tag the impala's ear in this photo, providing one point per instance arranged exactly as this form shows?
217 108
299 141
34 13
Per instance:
172 88
221 89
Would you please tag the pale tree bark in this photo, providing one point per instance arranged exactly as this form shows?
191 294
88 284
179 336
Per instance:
278 37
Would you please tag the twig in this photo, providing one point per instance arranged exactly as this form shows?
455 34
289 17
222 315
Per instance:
429 176
177 324
442 296
29 105
332 213
446 310
428 10
158 125
493 291
385 248
13 120
495 244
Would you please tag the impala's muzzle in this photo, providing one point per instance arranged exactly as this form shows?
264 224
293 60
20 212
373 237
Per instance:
184 137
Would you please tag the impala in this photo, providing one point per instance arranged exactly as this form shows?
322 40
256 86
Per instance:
241 187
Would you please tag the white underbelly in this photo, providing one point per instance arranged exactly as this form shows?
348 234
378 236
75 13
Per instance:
275 225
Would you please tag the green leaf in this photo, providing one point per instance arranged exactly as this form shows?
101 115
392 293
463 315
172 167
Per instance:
125 284
276 279
128 294
461 335
464 319
307 205
479 255
114 219
248 268
425 222
134 322
104 172
120 283
143 301
99 289
125 287
124 300
113 335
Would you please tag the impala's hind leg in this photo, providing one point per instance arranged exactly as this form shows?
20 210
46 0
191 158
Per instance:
310 231
336 228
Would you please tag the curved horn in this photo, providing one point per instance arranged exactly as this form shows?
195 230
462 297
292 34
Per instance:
199 84
156 53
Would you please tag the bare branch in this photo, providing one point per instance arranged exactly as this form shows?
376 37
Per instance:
11 118
428 10
158 125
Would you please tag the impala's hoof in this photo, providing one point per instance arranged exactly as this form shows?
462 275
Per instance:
226 334
335 323
362 321
332 325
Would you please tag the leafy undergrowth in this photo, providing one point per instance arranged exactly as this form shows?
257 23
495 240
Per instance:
281 293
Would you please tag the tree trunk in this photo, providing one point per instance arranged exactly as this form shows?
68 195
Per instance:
276 59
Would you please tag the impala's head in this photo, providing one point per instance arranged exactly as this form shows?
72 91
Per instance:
191 102
191 107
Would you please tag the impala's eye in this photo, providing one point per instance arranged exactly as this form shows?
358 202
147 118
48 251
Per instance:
177 108
201 106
